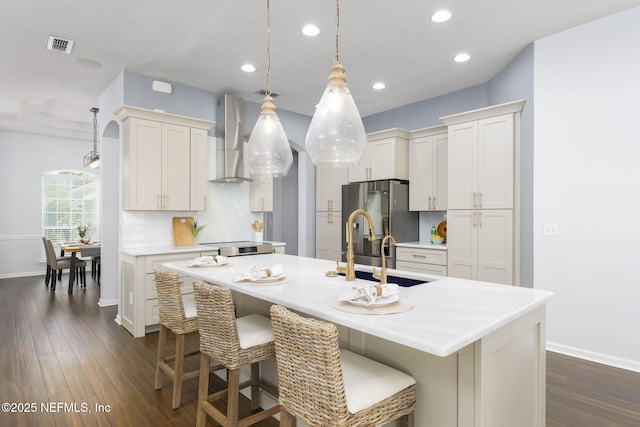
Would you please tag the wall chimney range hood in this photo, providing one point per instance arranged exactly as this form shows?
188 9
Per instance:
230 140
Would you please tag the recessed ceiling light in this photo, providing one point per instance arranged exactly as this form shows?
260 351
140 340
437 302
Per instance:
310 30
379 86
87 63
462 57
248 68
441 16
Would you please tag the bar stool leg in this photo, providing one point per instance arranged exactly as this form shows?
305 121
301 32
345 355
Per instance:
178 370
407 420
203 389
233 397
286 419
162 344
255 387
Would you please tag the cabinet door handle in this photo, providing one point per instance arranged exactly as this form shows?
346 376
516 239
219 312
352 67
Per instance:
479 219
475 200
479 200
164 201
205 202
435 204
158 201
475 219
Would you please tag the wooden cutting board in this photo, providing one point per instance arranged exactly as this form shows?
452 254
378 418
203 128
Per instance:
182 236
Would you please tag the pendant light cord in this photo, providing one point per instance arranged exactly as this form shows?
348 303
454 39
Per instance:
338 31
267 91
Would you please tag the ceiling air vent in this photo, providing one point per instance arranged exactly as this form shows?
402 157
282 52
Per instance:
59 44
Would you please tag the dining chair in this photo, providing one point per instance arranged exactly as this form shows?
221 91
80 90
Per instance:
326 386
234 343
56 264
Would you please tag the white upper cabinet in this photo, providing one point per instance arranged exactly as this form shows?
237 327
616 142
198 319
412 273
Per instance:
481 150
428 169
329 182
164 160
386 157
261 195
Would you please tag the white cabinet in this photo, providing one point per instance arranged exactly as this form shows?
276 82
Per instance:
329 182
422 260
164 160
328 235
483 178
199 174
428 169
480 245
481 164
261 195
386 157
139 311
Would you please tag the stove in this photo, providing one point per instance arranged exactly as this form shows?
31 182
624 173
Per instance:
242 248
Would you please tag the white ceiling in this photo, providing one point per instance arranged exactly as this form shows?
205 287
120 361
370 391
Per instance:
203 43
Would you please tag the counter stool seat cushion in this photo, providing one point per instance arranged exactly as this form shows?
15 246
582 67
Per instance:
254 330
189 304
367 382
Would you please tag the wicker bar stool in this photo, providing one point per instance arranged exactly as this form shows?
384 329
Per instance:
178 314
326 386
234 343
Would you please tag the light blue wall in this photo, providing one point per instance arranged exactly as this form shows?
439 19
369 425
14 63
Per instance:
427 113
184 100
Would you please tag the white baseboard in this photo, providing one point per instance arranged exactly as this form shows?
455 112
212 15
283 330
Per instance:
107 302
24 274
630 365
118 320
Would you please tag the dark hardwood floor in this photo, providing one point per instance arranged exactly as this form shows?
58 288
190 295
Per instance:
62 349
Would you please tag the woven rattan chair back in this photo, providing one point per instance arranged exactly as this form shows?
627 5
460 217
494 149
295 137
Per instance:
170 305
309 373
218 330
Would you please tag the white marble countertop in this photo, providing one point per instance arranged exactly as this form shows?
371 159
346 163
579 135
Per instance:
422 245
158 250
448 313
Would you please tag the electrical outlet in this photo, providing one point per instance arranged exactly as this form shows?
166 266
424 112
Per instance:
551 230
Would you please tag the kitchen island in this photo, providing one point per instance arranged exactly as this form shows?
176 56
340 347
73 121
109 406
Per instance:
477 350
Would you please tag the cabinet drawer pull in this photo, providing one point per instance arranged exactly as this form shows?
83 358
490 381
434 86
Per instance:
419 256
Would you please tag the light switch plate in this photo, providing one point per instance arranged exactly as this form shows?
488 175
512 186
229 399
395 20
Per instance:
551 230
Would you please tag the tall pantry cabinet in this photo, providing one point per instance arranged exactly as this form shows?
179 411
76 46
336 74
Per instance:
483 211
164 160
329 183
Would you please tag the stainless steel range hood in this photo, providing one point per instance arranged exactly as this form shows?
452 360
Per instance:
230 140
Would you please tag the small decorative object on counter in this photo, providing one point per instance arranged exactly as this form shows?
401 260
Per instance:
257 231
195 228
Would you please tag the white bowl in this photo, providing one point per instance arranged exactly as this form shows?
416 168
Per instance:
437 241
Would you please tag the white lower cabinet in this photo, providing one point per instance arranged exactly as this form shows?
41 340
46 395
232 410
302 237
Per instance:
480 245
328 235
422 260
138 299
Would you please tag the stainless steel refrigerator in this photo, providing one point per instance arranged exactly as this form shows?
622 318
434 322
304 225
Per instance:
387 202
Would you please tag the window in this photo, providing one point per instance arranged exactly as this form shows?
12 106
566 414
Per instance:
69 199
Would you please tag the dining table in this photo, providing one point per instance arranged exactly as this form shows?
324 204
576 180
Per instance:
84 249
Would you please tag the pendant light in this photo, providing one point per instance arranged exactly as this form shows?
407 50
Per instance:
268 151
336 136
92 159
